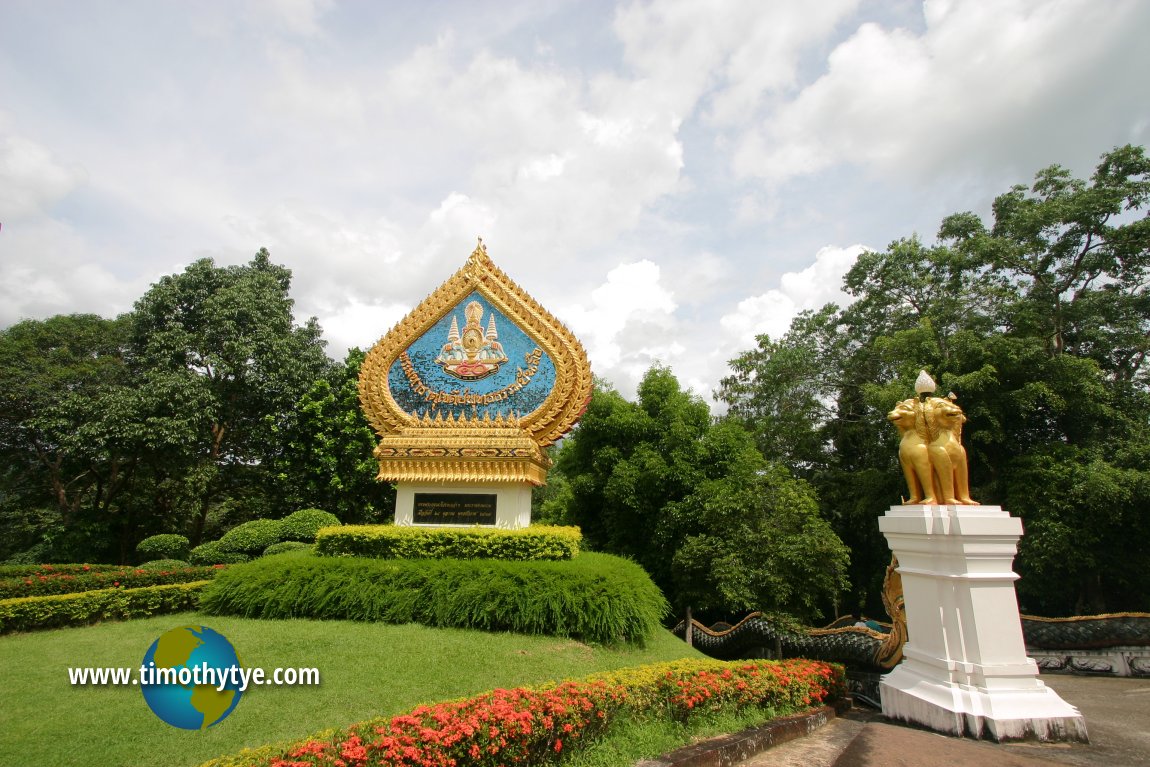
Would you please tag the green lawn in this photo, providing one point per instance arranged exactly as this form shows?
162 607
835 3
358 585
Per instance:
367 669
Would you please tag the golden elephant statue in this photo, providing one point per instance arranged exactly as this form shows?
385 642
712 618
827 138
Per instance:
931 452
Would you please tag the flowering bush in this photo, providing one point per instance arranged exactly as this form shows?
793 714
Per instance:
533 726
11 571
58 579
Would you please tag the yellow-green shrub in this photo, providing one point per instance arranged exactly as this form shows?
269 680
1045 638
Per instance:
31 613
402 542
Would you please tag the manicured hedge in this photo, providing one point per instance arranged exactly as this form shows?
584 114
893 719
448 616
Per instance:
304 524
594 597
541 725
72 582
163 546
405 542
32 613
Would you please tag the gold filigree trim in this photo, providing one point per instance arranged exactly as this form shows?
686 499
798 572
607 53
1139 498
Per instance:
563 405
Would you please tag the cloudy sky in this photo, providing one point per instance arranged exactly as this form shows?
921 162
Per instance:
668 178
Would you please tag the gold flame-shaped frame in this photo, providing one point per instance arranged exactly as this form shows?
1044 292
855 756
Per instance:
470 448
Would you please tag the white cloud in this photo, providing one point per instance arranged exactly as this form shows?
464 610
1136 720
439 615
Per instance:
665 169
32 178
810 289
359 324
629 325
987 84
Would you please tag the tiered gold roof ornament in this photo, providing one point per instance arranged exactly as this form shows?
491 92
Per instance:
466 392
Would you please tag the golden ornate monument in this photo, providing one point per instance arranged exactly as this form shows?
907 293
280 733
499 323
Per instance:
964 667
930 451
468 412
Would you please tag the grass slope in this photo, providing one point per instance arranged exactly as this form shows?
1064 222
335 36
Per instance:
367 670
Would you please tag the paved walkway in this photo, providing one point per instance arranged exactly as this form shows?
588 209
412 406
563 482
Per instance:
1117 713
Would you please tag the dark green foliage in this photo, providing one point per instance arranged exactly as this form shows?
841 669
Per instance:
659 482
595 598
113 430
304 524
211 553
165 564
252 537
34 613
1040 323
163 546
280 548
39 553
393 542
320 452
222 343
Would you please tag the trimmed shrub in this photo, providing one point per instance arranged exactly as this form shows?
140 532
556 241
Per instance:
251 538
302 525
164 546
211 553
32 613
594 597
280 548
165 564
58 582
395 542
538 725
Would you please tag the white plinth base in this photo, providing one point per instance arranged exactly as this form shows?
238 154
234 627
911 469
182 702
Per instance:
965 669
1002 714
512 503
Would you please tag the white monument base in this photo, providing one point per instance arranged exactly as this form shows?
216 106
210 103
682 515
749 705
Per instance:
965 669
512 503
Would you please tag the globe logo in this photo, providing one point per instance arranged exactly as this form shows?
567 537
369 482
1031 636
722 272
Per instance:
187 677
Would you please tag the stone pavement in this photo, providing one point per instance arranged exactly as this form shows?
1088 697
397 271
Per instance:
1117 712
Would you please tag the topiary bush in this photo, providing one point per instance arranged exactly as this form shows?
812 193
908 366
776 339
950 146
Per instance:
594 597
164 546
211 553
302 525
279 548
251 538
405 542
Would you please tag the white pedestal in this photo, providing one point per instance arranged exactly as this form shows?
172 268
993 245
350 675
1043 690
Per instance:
512 503
965 669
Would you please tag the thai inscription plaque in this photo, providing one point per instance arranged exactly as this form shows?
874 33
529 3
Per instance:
454 509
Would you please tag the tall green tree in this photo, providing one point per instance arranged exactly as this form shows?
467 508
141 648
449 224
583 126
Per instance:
694 502
322 452
59 378
1040 323
225 337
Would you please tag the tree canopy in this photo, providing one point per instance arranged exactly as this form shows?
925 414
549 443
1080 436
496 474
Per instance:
1040 323
183 416
695 503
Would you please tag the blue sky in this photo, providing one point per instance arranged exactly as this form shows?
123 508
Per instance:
669 178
